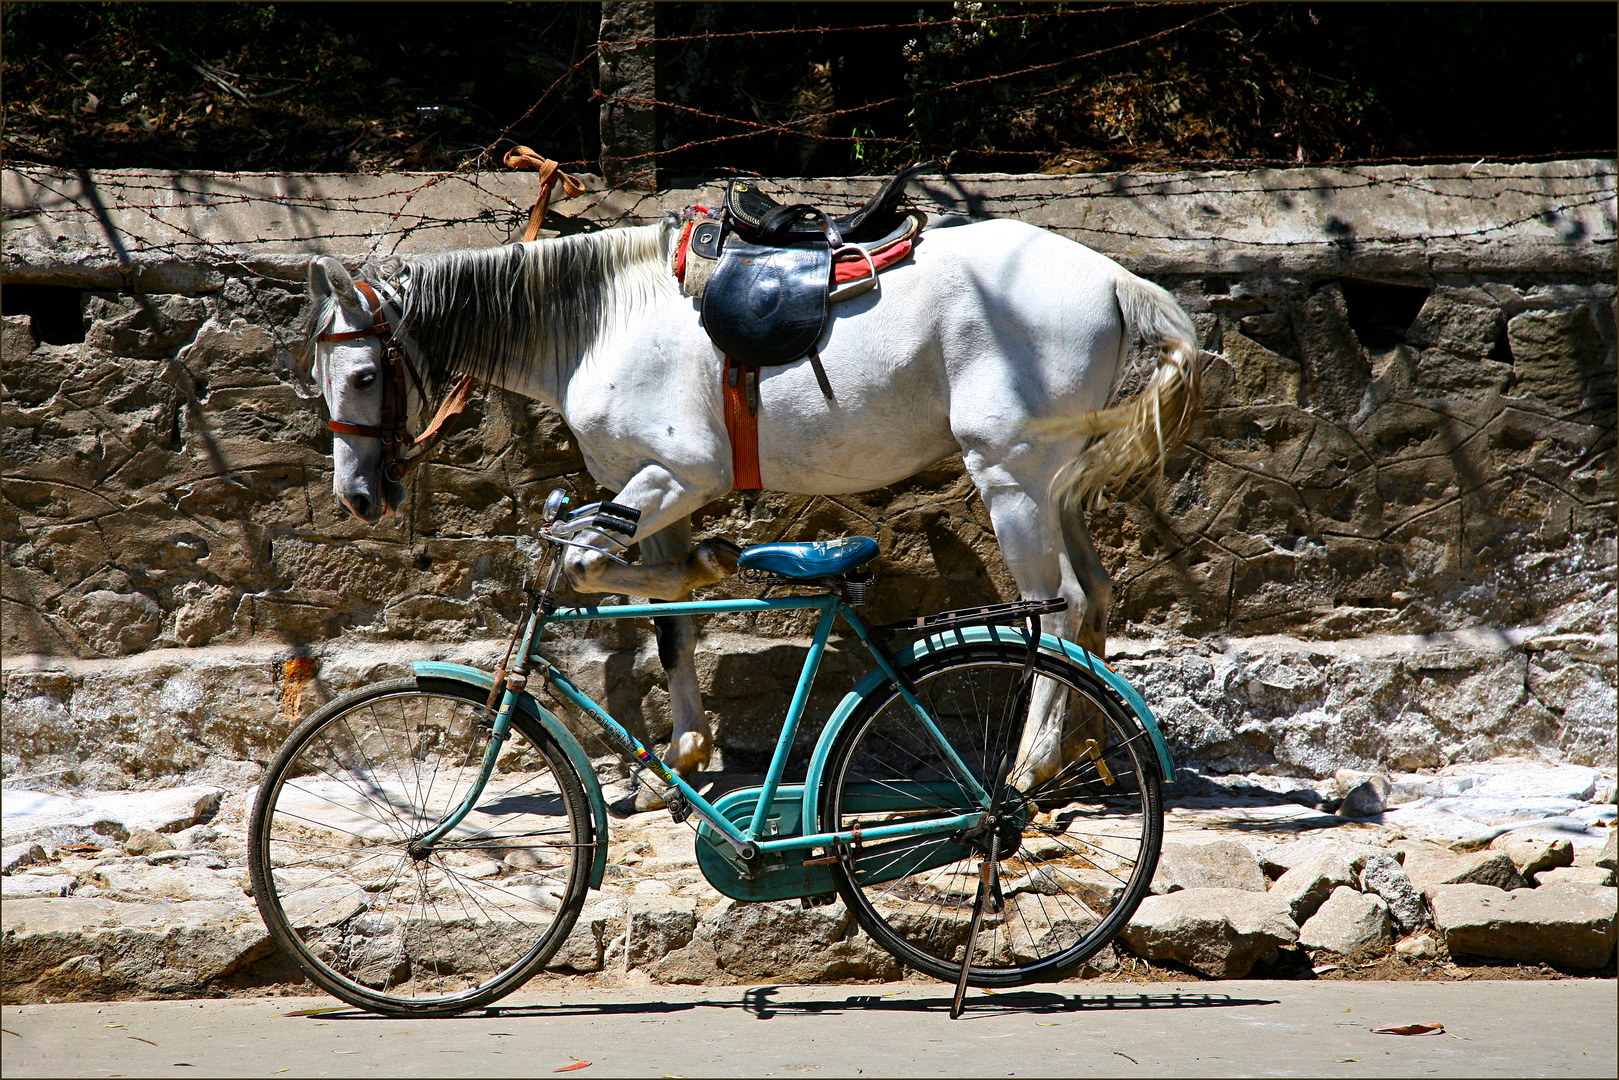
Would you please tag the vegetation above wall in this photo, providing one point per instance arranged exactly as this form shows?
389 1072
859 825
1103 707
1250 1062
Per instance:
809 88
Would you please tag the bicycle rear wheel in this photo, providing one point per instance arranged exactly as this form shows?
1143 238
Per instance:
379 928
1076 852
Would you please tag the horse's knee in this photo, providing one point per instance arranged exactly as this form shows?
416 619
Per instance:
582 569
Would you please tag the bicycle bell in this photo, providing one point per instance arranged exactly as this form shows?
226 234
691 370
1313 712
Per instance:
554 503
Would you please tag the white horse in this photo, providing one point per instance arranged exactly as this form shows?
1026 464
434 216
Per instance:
996 340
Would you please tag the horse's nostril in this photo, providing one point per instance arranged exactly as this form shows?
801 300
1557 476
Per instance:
360 504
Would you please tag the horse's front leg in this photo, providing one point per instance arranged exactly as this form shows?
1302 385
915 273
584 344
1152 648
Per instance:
670 568
663 500
691 742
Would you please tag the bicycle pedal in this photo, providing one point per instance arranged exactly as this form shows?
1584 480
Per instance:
678 808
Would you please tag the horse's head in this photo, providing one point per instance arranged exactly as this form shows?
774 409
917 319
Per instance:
344 357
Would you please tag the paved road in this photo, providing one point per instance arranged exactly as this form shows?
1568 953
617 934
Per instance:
1564 1028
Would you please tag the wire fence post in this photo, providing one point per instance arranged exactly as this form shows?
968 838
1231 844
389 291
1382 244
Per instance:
628 68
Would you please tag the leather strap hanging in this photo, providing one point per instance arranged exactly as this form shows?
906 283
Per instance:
550 172
742 424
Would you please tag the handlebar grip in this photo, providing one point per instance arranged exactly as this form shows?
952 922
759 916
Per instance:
619 510
612 523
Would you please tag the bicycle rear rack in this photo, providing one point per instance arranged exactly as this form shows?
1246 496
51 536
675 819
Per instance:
989 615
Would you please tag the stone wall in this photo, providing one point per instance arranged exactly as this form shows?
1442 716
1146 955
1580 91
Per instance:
1391 540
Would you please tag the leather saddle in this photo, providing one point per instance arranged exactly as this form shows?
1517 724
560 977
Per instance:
768 297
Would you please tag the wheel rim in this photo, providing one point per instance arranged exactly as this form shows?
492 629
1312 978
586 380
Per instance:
1076 852
376 925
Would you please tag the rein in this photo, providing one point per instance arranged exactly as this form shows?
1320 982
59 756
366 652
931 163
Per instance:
395 406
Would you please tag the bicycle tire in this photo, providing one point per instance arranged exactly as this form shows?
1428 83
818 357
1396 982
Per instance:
372 925
1077 853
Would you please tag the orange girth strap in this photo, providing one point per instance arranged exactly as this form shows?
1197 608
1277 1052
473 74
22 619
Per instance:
742 425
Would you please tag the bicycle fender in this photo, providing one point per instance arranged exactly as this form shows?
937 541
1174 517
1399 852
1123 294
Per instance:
976 635
433 669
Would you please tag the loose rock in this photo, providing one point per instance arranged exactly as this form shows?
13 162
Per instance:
16 856
1607 859
1571 925
1218 932
1307 886
1531 855
146 842
1221 864
1278 860
1385 877
1348 924
1365 796
1417 947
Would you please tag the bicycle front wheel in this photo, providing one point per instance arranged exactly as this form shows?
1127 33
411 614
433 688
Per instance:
1075 852
387 931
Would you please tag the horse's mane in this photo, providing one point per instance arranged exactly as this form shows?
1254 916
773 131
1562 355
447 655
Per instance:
512 311
504 312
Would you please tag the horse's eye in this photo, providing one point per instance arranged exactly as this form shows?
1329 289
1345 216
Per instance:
365 378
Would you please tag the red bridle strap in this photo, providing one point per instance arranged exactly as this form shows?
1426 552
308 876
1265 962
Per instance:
370 431
350 335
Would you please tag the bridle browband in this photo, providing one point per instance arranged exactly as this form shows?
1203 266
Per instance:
395 403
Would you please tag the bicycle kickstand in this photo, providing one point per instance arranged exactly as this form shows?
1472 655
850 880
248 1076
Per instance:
986 871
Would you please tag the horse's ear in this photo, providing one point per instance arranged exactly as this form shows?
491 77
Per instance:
328 278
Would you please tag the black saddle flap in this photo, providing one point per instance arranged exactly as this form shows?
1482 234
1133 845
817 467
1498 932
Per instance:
768 305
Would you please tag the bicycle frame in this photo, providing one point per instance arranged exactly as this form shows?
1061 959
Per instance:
746 842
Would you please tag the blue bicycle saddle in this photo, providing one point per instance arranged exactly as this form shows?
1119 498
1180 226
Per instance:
817 558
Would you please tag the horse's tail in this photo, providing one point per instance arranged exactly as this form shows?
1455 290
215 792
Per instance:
1140 433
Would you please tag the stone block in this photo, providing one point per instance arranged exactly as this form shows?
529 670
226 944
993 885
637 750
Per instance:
1221 933
1452 324
1531 855
1570 925
1260 376
1493 868
1350 923
787 942
1561 782
1553 353
145 948
1222 864
1278 860
16 856
170 882
582 950
33 886
658 925
1574 875
1307 886
1606 860
1384 876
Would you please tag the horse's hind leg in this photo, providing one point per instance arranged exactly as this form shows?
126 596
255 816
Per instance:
690 744
1048 557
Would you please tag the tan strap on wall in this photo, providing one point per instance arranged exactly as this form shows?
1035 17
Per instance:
550 172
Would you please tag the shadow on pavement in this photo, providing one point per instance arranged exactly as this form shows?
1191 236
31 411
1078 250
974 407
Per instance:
762 1003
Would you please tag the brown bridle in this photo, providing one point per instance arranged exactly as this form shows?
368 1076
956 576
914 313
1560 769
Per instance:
395 401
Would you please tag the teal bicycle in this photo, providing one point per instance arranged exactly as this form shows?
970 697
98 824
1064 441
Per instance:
423 846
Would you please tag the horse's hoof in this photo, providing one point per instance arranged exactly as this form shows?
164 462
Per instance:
717 557
691 753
